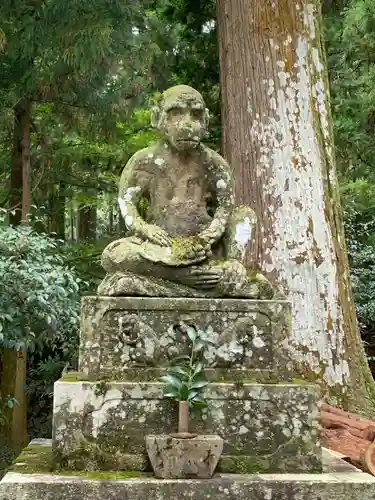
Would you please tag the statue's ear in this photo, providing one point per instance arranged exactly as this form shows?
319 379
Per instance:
155 116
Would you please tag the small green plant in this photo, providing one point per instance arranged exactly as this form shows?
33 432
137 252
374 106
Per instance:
6 404
186 378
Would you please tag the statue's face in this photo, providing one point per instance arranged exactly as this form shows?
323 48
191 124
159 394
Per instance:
183 119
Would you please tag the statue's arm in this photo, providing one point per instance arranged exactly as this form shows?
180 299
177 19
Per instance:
222 186
134 184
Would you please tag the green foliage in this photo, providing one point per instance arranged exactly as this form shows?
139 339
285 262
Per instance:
185 378
39 312
6 403
6 458
38 292
45 367
359 212
350 42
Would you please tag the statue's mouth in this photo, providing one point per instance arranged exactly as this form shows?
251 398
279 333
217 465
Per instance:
188 141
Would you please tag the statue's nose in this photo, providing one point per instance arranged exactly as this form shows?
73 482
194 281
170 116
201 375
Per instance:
188 125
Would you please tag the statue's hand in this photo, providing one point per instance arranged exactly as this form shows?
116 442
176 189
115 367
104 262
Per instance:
154 234
201 277
210 235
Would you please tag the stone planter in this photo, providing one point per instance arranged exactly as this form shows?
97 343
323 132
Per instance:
177 458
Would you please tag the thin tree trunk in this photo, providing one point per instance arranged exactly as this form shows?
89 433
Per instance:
13 383
60 216
26 191
278 138
110 219
72 221
15 199
13 380
87 212
57 200
86 223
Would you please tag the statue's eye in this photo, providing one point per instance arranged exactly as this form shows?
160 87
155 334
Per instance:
197 113
174 112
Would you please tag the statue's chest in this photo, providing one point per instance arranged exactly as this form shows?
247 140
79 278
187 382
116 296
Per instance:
178 198
180 182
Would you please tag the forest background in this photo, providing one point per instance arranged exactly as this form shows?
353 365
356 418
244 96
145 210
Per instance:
77 80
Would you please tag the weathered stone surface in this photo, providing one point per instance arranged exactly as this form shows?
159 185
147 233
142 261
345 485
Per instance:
185 237
173 458
340 481
265 427
281 487
125 337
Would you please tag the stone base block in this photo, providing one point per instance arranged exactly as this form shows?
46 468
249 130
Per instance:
265 427
173 457
333 485
31 477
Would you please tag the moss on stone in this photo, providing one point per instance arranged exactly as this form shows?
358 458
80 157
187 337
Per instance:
34 458
184 246
143 207
74 377
101 388
216 375
38 459
243 464
300 381
112 475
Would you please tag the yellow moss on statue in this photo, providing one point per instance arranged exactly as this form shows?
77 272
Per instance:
184 246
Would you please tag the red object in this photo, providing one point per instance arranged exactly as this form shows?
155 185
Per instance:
350 435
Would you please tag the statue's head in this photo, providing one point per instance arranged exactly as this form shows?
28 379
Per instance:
182 117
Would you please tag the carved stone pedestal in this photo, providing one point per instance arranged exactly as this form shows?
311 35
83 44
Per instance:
103 413
132 338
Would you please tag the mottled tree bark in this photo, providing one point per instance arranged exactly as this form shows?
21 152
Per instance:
278 138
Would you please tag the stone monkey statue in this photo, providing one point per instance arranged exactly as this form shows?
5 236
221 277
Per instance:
185 238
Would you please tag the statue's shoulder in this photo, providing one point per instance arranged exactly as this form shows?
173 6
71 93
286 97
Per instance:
142 157
213 156
216 165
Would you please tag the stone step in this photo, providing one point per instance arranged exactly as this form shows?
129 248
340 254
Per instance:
31 478
326 486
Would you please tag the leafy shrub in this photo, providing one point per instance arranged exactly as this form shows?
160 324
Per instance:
359 216
39 311
38 292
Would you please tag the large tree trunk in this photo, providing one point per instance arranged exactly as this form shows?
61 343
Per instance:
278 138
